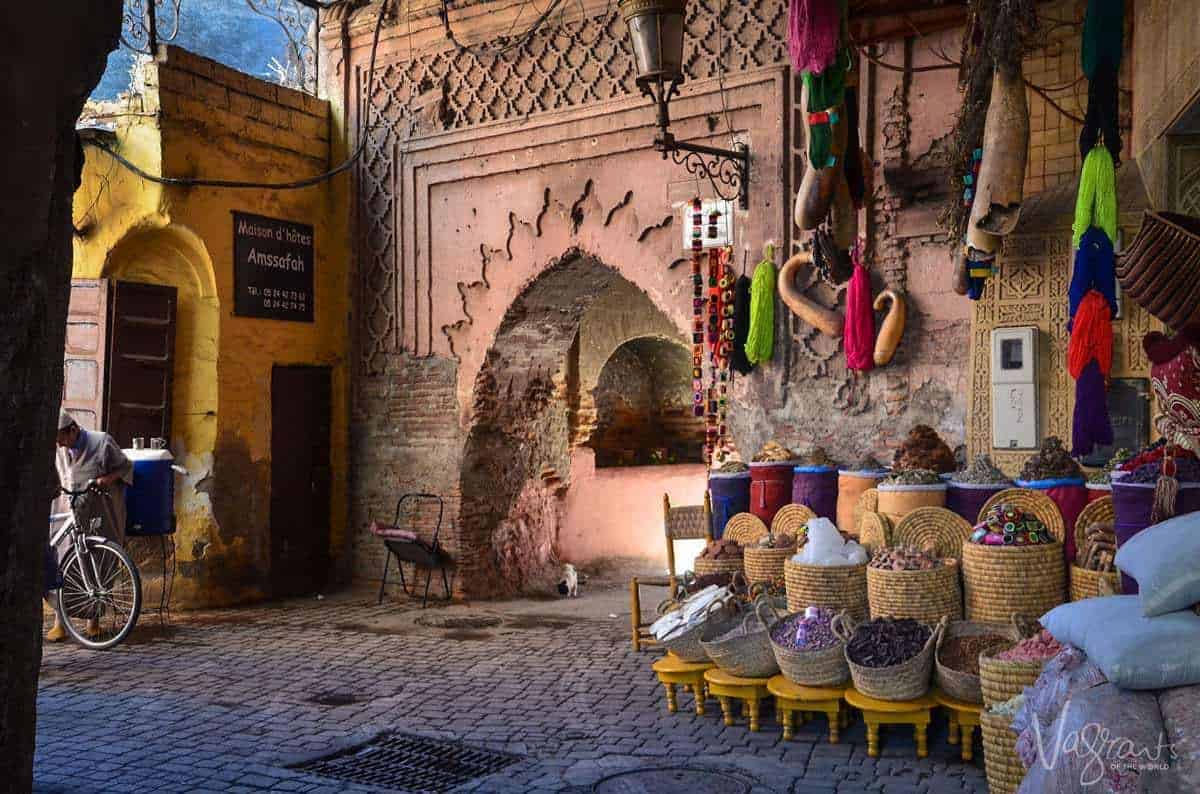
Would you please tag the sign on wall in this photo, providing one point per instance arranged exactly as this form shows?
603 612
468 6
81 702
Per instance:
273 268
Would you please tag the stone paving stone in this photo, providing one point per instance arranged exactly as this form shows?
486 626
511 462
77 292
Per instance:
225 702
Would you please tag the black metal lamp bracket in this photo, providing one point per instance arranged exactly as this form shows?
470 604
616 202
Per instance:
727 170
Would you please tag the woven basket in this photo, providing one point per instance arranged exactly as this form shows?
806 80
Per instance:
874 532
934 529
703 567
1161 269
956 683
897 501
792 520
765 565
925 595
905 681
745 649
1097 511
686 644
867 502
1001 580
836 587
1030 501
744 528
1086 583
1004 768
826 667
1002 680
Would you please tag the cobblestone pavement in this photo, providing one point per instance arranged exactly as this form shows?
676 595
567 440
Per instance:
225 701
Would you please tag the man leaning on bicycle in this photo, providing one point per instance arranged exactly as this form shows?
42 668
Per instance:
90 457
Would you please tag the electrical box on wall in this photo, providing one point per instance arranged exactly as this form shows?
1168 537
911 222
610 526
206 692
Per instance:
723 225
1014 388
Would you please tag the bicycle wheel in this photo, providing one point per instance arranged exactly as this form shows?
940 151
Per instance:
103 618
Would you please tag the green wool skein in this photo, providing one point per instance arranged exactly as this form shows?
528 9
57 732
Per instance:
760 341
1096 202
825 90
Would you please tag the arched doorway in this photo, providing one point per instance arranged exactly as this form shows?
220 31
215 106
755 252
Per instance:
534 409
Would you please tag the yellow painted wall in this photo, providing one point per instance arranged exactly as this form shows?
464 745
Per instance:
218 123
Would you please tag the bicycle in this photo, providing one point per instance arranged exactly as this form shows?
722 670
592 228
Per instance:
99 592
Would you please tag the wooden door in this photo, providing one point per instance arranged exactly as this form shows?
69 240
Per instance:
84 355
141 362
300 479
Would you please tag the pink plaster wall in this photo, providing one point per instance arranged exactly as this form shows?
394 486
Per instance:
618 512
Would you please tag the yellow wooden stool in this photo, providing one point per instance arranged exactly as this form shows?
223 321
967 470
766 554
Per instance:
791 699
728 688
964 719
673 671
885 712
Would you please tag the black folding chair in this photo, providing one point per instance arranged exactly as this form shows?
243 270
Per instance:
426 557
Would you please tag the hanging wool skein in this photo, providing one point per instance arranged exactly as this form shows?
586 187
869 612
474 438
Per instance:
826 93
859 334
1096 202
814 33
760 341
741 326
1095 269
1089 360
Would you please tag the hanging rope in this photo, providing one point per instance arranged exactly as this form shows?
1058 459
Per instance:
1096 202
814 33
760 341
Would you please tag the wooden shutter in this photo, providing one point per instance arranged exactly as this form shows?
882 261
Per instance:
84 356
141 361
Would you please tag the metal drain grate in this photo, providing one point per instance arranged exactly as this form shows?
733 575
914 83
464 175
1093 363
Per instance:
406 762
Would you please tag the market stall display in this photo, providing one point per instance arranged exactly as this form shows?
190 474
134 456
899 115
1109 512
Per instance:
807 651
827 572
1005 674
729 491
742 647
956 660
681 624
1094 572
967 490
1013 562
924 449
904 491
852 482
1134 495
889 659
770 486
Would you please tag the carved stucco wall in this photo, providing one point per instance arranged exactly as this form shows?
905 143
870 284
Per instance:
480 173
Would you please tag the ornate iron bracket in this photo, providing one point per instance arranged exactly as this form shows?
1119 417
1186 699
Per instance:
727 170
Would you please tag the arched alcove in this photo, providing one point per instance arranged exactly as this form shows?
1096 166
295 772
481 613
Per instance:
525 417
643 401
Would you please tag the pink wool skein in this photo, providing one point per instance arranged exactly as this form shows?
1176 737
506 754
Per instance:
814 28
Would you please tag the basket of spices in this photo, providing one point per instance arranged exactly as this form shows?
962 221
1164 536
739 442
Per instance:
764 559
1099 483
852 482
1001 763
923 448
956 662
807 651
908 582
968 490
719 556
1005 673
902 492
828 571
889 659
1094 572
1013 562
770 480
744 648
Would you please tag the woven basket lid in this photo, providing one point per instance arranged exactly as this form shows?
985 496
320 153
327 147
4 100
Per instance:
867 502
792 520
934 529
874 531
1099 511
1030 501
745 528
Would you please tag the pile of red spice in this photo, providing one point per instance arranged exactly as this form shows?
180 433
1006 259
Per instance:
1039 647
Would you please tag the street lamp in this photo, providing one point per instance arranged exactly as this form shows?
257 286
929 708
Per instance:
656 32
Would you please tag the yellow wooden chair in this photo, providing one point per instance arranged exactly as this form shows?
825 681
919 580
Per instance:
690 522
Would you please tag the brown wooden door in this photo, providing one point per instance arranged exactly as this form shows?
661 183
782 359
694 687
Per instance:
85 353
300 479
141 361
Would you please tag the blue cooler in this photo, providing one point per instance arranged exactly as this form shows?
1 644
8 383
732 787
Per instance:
150 501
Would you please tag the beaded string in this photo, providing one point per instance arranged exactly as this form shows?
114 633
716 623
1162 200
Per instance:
698 392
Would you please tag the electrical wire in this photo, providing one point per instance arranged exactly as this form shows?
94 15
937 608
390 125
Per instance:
509 43
176 181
